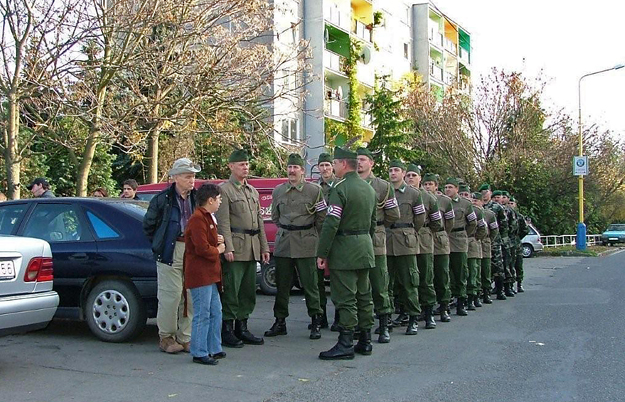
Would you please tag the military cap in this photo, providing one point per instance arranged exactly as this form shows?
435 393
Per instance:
296 159
239 155
365 152
325 157
398 164
477 195
453 181
505 193
512 199
340 153
484 186
464 188
430 177
497 192
412 167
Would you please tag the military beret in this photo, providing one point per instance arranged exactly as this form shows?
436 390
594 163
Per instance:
477 196
512 199
365 152
505 193
414 168
398 164
325 157
484 186
453 181
464 188
238 155
340 153
497 192
430 177
296 159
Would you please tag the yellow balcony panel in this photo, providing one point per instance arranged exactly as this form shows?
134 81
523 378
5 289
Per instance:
362 10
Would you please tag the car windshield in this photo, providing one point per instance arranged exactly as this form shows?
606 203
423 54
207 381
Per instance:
616 228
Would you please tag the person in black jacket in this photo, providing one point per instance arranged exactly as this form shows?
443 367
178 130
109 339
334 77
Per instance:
164 224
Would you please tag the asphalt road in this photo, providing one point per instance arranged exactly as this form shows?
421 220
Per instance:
561 340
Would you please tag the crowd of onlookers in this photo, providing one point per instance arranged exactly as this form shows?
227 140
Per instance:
40 188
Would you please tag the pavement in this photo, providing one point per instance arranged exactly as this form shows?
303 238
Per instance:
561 340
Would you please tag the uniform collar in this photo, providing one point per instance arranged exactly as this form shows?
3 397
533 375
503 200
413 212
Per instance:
329 182
403 187
456 198
370 177
299 187
237 183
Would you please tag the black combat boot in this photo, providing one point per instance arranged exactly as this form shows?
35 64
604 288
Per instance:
241 332
476 300
324 320
227 335
421 316
499 285
438 309
364 347
344 348
507 291
401 320
315 327
445 317
429 318
278 328
519 287
335 325
470 305
385 336
413 325
460 303
486 297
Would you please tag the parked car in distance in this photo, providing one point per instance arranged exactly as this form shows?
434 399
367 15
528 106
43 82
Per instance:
27 301
614 234
531 243
104 270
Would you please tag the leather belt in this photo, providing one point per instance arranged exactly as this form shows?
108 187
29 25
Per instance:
295 227
462 229
351 232
180 238
251 232
379 223
402 225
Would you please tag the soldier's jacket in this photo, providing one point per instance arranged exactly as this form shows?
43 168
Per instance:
441 238
298 211
326 187
481 232
493 232
401 237
387 211
346 235
433 223
523 228
464 225
513 226
502 222
240 222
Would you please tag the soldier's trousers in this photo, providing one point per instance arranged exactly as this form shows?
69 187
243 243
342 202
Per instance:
519 265
496 258
441 278
307 272
378 276
351 294
403 271
239 289
478 277
485 275
458 271
508 264
321 286
473 265
427 294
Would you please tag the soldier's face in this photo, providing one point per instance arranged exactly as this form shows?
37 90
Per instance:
512 204
339 167
240 169
497 199
466 195
486 195
451 190
364 164
325 169
505 200
430 186
396 175
476 202
295 172
413 178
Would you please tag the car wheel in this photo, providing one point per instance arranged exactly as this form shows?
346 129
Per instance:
268 278
115 311
528 250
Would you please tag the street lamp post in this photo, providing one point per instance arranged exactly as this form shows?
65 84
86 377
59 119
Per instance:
581 227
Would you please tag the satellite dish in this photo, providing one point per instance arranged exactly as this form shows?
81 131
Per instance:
365 55
326 35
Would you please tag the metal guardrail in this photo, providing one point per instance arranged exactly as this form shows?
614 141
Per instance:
568 240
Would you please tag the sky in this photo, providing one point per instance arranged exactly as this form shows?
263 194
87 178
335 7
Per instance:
566 39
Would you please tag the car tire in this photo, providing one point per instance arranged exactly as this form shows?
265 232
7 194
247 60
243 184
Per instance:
527 250
114 311
268 278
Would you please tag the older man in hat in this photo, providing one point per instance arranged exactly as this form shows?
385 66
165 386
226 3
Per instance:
40 188
164 224
241 225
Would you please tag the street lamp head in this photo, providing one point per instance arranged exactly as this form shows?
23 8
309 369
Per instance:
618 66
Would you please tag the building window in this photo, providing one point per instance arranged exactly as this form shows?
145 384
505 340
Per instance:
290 130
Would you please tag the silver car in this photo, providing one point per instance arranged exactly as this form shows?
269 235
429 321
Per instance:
27 301
531 243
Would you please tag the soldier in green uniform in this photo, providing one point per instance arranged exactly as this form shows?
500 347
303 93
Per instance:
474 253
523 231
241 225
464 226
346 250
497 245
298 209
493 232
425 258
502 199
441 246
402 246
326 171
387 213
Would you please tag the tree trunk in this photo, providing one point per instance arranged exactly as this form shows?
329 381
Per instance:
11 154
95 131
153 156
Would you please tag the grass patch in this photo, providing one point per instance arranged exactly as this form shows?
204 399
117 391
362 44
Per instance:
571 251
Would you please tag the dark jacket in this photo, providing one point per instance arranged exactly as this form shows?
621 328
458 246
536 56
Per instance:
161 223
47 194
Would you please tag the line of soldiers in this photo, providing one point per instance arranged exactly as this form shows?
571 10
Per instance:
387 246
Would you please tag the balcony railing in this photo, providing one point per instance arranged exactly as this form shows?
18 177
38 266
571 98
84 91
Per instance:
332 14
464 56
436 71
334 61
333 106
361 31
450 78
436 38
451 46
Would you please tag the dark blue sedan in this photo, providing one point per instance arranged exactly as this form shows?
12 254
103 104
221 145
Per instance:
104 271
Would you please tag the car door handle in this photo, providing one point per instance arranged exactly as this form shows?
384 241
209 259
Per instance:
78 256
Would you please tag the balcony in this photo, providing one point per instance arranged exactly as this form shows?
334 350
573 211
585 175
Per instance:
436 38
451 47
436 71
465 84
336 17
334 62
360 30
465 56
333 106
450 79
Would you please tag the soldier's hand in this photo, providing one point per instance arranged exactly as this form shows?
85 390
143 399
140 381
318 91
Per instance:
221 248
229 256
322 263
265 258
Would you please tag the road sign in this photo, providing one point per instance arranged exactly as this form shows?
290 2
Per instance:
580 165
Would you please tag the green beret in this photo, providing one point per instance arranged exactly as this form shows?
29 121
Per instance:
414 168
430 177
398 164
484 186
505 193
340 153
296 159
497 192
238 155
477 196
464 188
325 157
512 199
453 181
365 152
